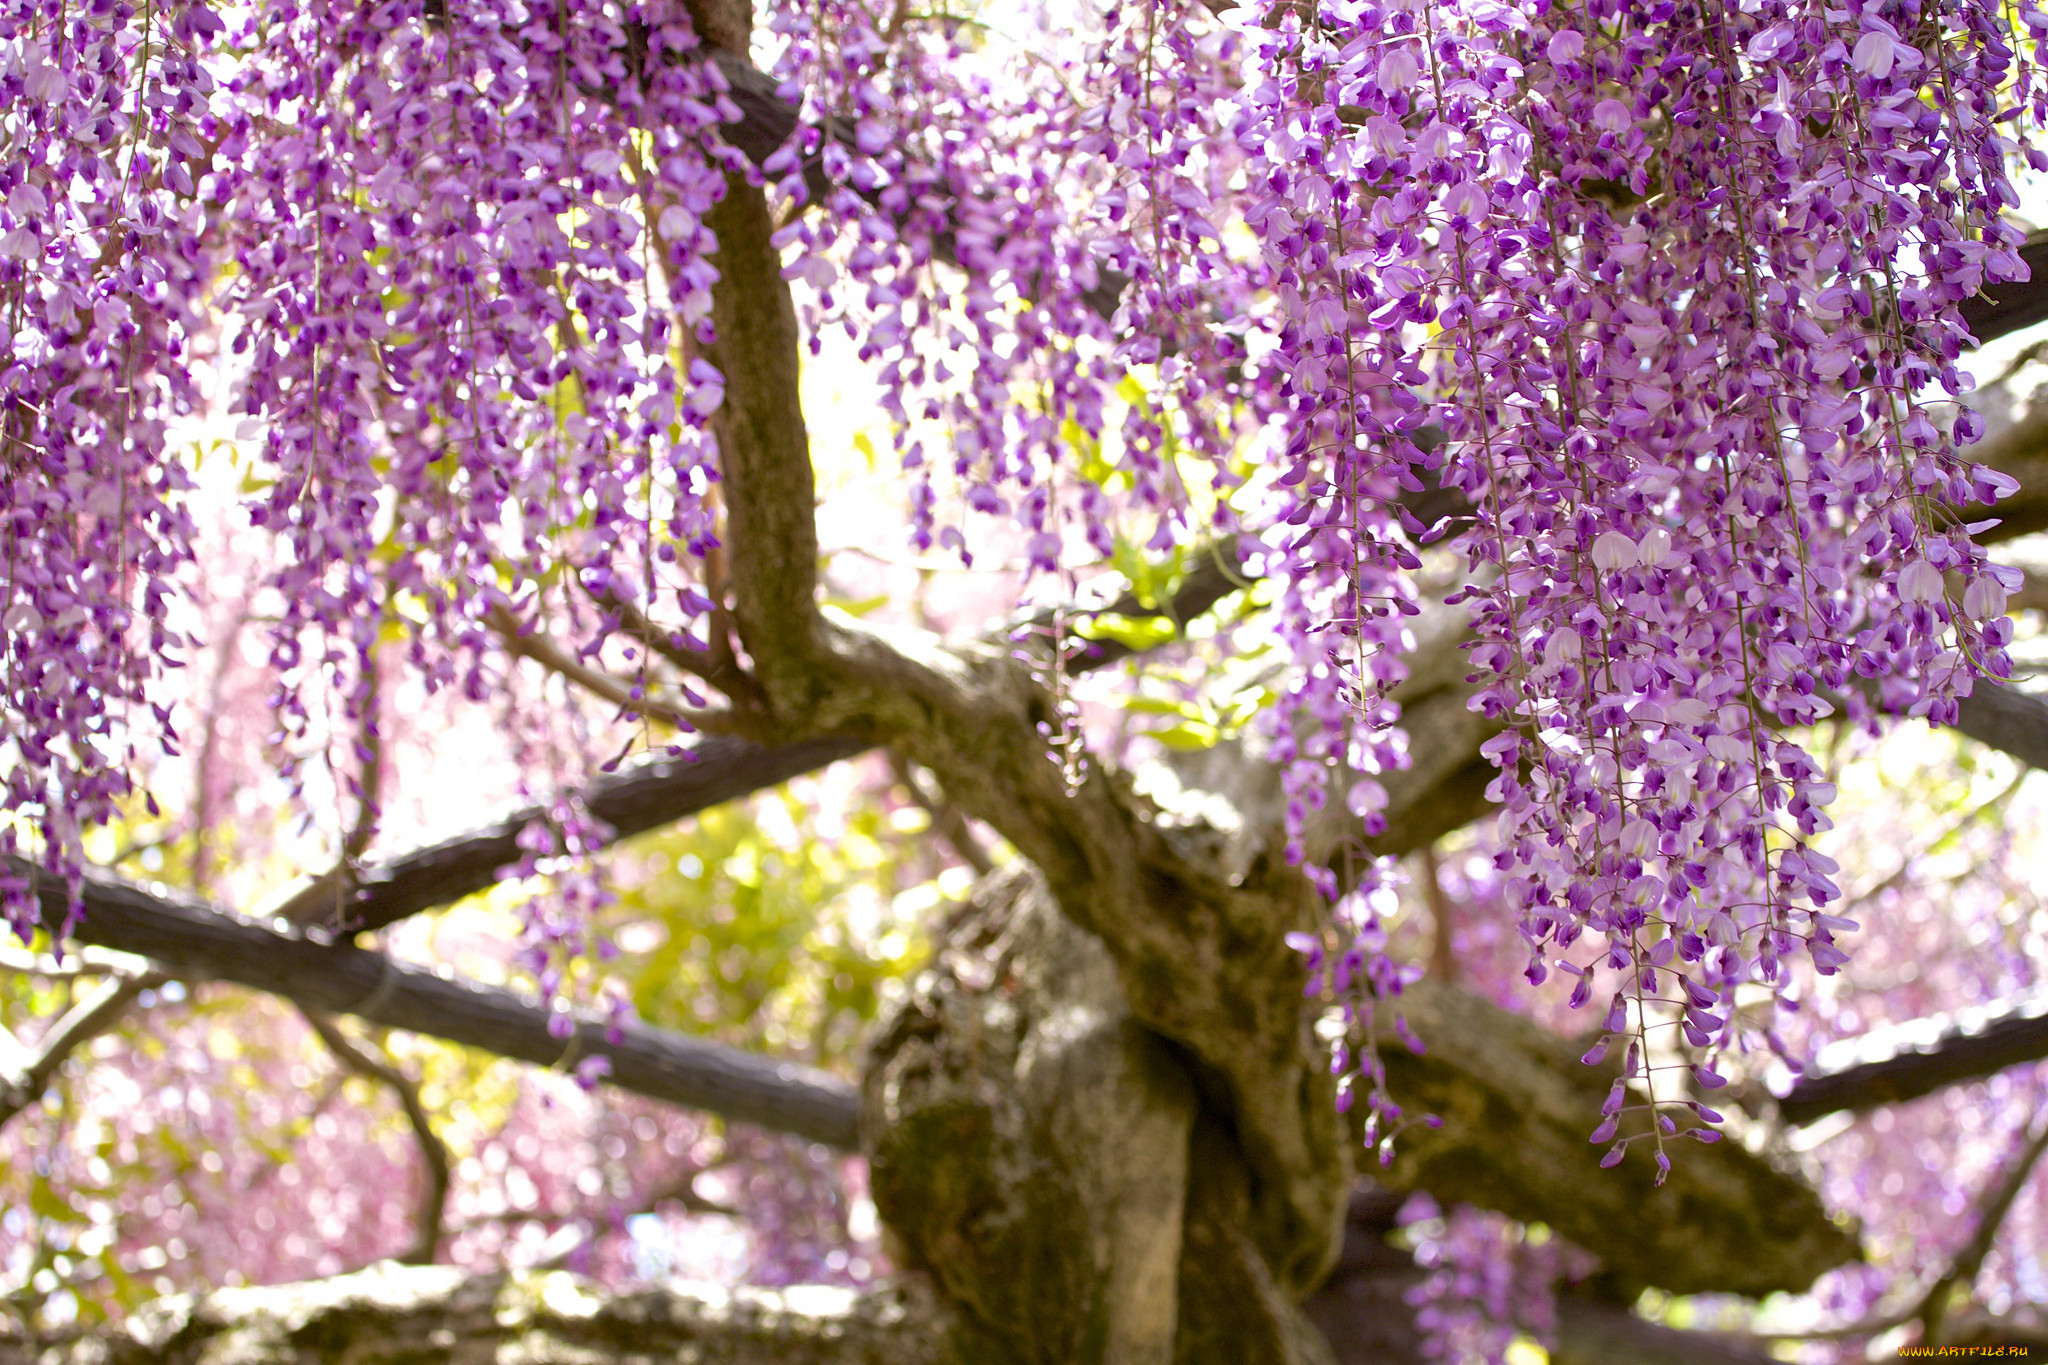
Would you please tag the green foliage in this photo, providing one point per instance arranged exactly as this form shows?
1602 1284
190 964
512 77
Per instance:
785 941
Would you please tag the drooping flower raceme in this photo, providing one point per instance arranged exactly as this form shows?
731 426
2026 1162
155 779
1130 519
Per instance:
1670 284
101 268
459 266
1658 291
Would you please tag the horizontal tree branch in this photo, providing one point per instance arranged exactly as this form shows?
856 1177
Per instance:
196 940
1916 1059
1516 1105
2001 309
2008 720
646 796
401 1315
1366 1311
660 791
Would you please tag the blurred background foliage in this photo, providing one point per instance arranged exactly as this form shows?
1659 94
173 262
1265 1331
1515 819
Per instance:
211 1139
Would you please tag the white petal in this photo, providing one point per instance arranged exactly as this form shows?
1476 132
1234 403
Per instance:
1873 55
1613 550
1984 599
1920 581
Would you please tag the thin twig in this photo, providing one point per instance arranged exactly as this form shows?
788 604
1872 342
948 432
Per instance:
30 1073
1931 1307
1998 1200
433 1205
947 820
551 656
697 662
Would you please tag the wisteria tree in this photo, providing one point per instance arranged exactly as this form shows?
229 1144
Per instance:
1339 584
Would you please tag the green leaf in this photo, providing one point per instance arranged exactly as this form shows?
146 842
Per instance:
45 1202
1137 632
1163 706
1153 582
857 606
1188 735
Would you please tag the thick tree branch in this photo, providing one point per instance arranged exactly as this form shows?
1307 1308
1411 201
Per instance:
1905 1062
433 1205
1444 790
657 792
1365 1312
403 1315
1516 1106
649 795
1202 957
24 1079
198 941
2008 720
2001 309
764 452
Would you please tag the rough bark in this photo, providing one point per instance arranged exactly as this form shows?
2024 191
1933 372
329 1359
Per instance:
1514 1100
1918 1059
1041 1153
400 1315
772 537
1051 1163
428 1315
198 941
648 795
1516 1104
1203 961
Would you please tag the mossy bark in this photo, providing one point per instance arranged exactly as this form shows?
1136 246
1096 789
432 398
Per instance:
432 1315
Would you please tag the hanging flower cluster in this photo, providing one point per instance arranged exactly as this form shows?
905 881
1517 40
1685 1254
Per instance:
101 265
1008 245
1659 289
1669 283
1487 1281
471 273
458 262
